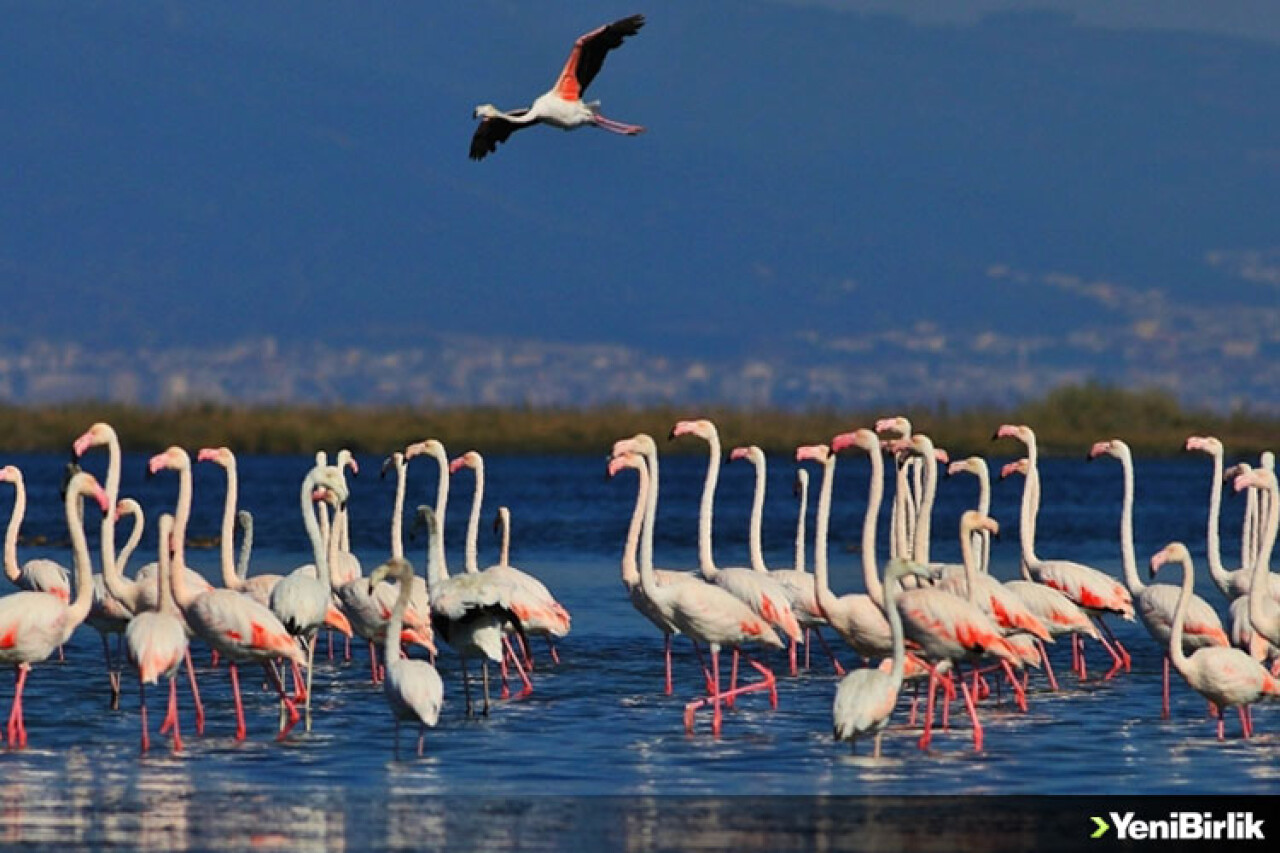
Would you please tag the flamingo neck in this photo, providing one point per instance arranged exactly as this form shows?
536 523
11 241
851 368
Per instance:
246 547
1128 560
875 495
892 585
80 604
630 570
1176 655
899 517
181 516
227 546
164 596
822 589
705 509
804 501
970 562
504 546
924 513
11 532
473 522
648 580
1027 519
395 625
397 511
107 535
1221 578
757 516
135 536
442 504
1260 578
982 538
318 545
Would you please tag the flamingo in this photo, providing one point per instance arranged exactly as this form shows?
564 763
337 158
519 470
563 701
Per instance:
950 628
562 106
1156 604
908 487
539 611
300 601
107 615
1264 613
413 687
1097 593
797 583
34 624
40 574
641 449
704 612
157 644
1227 677
135 595
257 587
977 466
236 626
866 697
760 592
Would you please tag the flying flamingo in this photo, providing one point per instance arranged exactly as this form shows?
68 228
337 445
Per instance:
641 450
301 601
562 106
157 644
413 687
1095 592
40 574
760 592
703 612
1156 604
797 583
1227 677
866 697
236 626
34 624
540 614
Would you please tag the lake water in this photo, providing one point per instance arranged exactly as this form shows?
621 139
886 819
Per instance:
597 724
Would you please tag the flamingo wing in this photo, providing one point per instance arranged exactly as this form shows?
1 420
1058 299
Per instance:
588 55
493 130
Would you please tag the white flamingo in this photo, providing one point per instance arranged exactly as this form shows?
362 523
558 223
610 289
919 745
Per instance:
413 687
705 613
39 574
562 106
34 624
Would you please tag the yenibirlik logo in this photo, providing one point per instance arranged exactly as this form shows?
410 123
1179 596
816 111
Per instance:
1182 826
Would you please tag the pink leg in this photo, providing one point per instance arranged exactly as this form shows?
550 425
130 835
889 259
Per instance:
241 731
1164 704
927 736
733 682
526 652
948 694
834 660
173 713
973 715
551 649
791 654
195 694
528 685
142 707
373 663
1119 655
666 642
715 697
299 688
507 653
1048 667
1221 725
1246 724
617 126
289 705
706 673
1019 697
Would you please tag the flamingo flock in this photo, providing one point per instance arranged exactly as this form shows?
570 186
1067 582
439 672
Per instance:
952 631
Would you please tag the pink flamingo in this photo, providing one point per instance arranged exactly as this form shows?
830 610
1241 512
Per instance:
539 611
413 687
951 628
757 590
157 644
34 624
704 613
641 450
257 587
797 583
1227 677
107 615
562 106
232 623
866 697
1093 591
1156 604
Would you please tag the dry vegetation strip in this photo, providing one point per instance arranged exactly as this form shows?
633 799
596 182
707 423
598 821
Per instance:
1067 421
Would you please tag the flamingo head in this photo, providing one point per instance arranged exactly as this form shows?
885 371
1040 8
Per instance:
485 111
898 568
10 474
1018 466
1020 432
975 465
95 436
395 460
862 438
128 506
751 453
84 484
1174 551
220 455
897 424
641 443
1205 444
424 518
470 459
1255 478
326 483
397 569
345 460
702 428
623 461
972 521
430 447
813 453
173 459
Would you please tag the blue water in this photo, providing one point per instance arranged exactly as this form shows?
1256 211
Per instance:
598 723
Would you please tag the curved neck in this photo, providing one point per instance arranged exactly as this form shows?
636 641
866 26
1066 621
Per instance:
895 629
804 502
135 536
1214 546
83 599
1027 520
821 585
1176 654
630 569
124 590
970 561
648 581
473 523
395 625
705 509
870 519
757 516
107 535
230 579
1128 560
1260 579
319 549
11 532
924 514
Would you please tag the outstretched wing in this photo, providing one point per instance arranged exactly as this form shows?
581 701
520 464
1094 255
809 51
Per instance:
588 55
494 130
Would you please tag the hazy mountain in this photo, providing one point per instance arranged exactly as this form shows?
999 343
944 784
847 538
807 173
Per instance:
816 185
